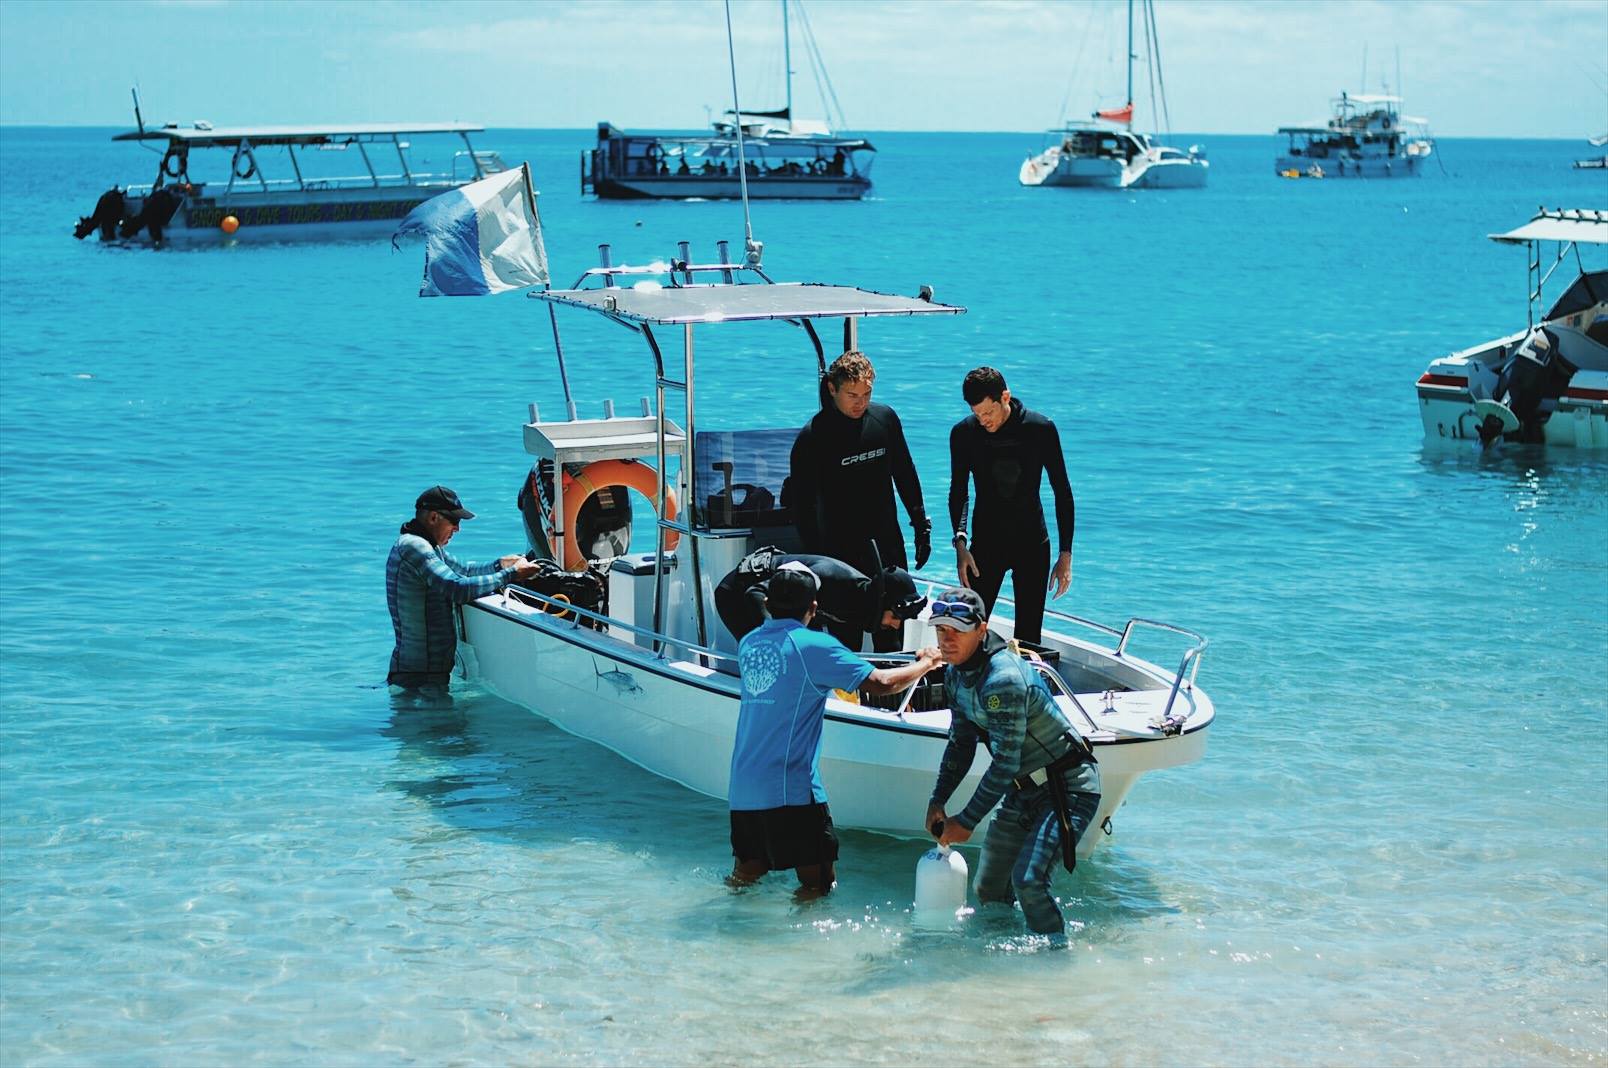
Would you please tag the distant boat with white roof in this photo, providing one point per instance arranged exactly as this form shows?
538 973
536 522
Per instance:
274 183
1366 137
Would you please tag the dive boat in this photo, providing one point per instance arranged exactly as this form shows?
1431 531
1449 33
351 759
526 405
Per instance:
1105 153
1366 137
1546 384
650 671
785 158
213 185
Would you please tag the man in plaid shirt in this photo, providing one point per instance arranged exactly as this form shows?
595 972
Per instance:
423 582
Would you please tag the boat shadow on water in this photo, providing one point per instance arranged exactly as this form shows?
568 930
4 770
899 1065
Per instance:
485 766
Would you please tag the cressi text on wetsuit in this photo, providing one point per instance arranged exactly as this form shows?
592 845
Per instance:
1007 531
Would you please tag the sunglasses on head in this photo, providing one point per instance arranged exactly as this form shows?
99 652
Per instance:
956 610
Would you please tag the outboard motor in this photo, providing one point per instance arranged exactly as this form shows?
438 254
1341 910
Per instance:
107 214
1534 374
157 212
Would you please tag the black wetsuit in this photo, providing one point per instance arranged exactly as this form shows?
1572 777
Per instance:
1007 530
850 602
841 489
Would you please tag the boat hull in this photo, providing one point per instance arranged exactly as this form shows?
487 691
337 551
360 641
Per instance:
1342 167
698 187
678 720
1171 174
330 215
1071 172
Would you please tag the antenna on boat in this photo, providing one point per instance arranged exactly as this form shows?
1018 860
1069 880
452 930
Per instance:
138 121
751 249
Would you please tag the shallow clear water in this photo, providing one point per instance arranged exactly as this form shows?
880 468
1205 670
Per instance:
223 843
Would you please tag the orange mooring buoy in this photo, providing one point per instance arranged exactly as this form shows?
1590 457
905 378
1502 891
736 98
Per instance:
229 224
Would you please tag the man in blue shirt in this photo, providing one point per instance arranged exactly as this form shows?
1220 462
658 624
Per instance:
423 582
779 816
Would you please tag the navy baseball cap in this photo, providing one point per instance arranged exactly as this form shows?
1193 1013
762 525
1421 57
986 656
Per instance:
441 499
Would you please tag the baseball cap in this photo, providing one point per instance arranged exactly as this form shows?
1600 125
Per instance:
441 499
899 594
959 608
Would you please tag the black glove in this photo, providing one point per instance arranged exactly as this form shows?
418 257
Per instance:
923 528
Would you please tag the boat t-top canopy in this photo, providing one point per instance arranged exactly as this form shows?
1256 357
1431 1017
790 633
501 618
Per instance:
680 305
228 136
1581 225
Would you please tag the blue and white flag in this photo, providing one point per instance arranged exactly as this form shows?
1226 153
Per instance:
481 238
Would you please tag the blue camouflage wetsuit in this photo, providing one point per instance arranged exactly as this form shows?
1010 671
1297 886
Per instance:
999 699
422 583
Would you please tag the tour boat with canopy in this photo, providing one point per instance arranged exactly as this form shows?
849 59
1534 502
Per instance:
1545 384
280 183
784 157
1366 137
627 649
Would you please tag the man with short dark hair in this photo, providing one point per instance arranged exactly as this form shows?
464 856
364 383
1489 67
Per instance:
423 582
1005 449
1042 775
846 463
779 815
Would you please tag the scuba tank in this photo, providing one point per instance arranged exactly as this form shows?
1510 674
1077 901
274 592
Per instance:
941 878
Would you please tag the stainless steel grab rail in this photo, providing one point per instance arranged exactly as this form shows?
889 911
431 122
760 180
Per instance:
558 609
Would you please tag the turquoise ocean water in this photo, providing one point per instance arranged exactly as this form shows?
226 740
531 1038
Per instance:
223 844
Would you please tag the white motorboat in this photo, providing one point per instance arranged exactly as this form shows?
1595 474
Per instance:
650 672
1366 137
1546 384
1105 153
240 195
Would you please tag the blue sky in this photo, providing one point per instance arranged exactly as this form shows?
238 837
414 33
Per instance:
1536 68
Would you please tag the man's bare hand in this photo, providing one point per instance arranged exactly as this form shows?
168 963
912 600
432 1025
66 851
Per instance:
1061 577
965 563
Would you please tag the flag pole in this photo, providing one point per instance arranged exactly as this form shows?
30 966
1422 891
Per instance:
552 313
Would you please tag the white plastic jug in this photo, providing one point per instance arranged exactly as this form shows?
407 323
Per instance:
941 878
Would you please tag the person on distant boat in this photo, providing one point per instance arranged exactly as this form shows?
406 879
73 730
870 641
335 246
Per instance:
845 465
422 583
779 813
850 603
1042 773
839 165
1005 449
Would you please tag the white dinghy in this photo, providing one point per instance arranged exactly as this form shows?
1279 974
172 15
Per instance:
651 672
1546 384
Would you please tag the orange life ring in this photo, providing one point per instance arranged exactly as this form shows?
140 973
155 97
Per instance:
601 475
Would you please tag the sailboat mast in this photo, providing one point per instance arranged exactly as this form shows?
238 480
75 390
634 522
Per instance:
1130 53
787 62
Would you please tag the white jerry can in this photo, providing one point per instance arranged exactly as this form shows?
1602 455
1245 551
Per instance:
941 878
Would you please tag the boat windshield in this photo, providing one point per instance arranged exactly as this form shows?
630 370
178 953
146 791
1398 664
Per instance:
1589 290
739 477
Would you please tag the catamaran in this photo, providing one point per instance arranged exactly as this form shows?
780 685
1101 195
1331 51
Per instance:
213 184
1546 384
785 158
1366 137
1105 152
